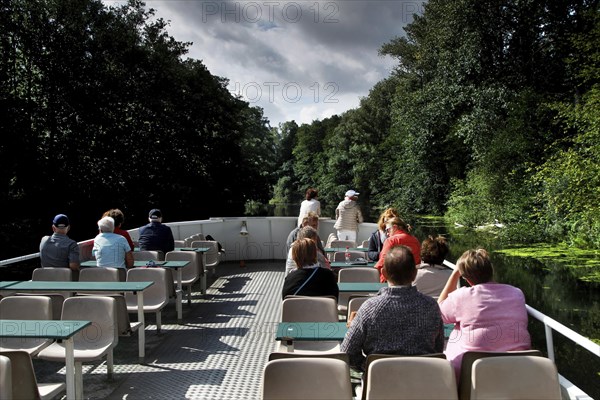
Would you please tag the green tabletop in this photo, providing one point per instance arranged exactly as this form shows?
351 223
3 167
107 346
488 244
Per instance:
166 264
196 249
69 286
48 329
343 249
360 286
342 264
318 331
311 331
5 284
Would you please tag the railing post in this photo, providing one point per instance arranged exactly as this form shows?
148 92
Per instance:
549 342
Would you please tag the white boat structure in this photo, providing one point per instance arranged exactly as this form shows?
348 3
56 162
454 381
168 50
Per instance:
229 366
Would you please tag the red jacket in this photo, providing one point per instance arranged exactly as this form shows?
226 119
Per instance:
397 239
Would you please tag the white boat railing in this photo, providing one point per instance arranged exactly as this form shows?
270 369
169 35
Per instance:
269 234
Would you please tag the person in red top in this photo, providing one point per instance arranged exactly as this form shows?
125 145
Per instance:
119 218
397 231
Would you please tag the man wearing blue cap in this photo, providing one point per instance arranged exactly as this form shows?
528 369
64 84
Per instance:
155 235
59 250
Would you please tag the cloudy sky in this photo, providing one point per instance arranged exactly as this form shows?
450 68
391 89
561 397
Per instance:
298 60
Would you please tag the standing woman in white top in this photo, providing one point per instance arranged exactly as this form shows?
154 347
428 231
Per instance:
310 204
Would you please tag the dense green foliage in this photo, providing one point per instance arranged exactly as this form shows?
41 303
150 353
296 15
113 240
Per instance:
101 109
491 116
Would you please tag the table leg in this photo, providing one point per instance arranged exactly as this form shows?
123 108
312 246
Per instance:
179 294
70 369
203 276
142 328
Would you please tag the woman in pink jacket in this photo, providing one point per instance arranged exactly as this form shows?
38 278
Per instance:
488 316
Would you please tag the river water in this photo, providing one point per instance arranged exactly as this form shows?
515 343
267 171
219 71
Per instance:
552 288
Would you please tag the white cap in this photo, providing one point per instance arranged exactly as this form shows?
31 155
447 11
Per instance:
351 193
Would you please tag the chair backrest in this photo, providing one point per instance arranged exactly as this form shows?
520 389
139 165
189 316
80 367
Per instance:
358 274
354 255
191 238
354 303
330 239
306 378
309 309
515 377
147 255
365 244
24 382
401 378
469 357
5 378
277 355
52 274
212 256
342 243
373 357
155 295
26 307
96 274
180 243
192 271
102 312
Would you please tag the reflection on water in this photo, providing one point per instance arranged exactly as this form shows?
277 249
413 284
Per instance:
549 287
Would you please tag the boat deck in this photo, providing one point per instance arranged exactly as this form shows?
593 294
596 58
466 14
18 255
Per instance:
218 352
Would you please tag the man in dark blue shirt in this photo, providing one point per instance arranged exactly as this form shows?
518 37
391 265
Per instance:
156 236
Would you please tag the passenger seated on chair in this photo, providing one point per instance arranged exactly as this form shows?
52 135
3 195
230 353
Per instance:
311 233
111 249
59 250
489 316
399 320
309 278
432 274
312 220
156 236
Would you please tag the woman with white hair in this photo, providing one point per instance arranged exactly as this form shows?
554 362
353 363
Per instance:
111 249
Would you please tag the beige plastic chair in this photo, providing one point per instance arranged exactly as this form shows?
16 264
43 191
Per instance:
330 239
179 243
354 274
5 378
156 297
23 380
191 272
125 326
515 377
192 238
54 274
342 243
340 256
310 309
354 304
469 357
213 257
147 255
400 378
88 344
277 355
365 244
306 378
25 307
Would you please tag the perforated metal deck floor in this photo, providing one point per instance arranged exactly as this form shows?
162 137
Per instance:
218 352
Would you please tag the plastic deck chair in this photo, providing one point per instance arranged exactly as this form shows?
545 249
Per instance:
88 344
340 256
5 378
342 243
354 304
179 243
354 274
54 274
191 272
213 257
147 255
194 237
469 357
25 307
125 326
362 394
23 380
310 309
404 378
306 378
156 297
365 244
515 377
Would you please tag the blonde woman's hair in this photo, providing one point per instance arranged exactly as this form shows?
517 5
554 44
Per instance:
399 222
304 252
476 266
389 213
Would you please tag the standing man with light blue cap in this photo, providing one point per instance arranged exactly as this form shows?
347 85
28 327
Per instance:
59 250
